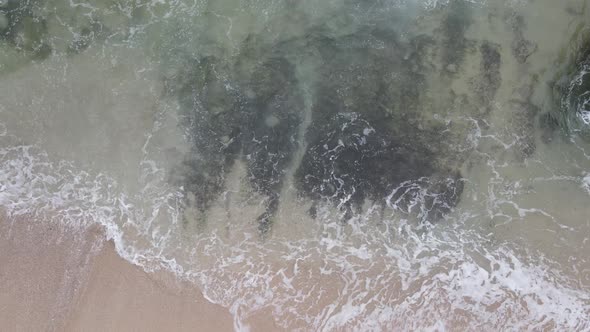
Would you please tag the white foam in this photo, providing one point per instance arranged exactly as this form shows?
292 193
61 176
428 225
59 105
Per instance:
586 183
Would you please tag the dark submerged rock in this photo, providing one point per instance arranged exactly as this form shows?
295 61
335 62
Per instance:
350 160
367 136
24 30
575 101
458 18
570 110
490 78
365 140
213 121
524 120
549 126
522 48
84 39
272 116
254 117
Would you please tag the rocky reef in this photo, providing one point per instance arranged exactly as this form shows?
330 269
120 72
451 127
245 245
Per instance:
570 108
366 138
575 99
371 96
23 29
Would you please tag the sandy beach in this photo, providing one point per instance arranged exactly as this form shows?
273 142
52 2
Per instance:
53 280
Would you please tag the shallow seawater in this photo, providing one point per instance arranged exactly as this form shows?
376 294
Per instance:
334 165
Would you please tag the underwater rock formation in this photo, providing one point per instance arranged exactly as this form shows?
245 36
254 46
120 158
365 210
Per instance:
20 27
522 48
250 114
213 121
373 133
523 123
454 25
271 117
365 140
489 79
353 160
575 100
570 110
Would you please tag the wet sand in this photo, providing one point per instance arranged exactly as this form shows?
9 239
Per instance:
53 280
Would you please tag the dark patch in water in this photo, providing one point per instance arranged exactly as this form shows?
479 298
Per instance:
350 159
488 82
522 48
24 30
84 38
366 136
571 97
577 100
272 115
214 125
523 120
457 20
255 117
524 115
549 125
364 140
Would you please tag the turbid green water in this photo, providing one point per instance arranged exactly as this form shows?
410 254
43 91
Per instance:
336 165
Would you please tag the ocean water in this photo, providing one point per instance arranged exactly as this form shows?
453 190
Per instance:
335 165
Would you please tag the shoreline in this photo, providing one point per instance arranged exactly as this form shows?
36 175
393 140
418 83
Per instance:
54 279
